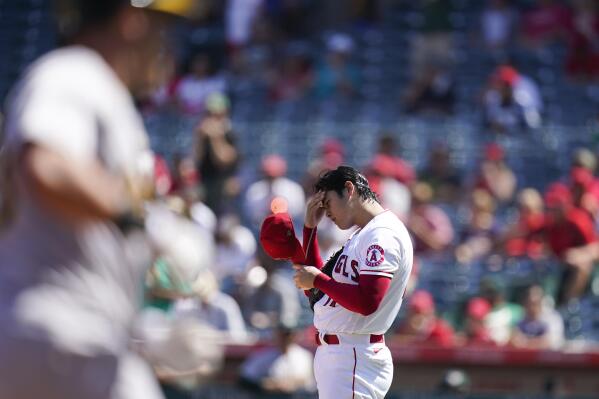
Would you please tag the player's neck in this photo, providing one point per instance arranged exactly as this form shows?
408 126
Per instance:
366 211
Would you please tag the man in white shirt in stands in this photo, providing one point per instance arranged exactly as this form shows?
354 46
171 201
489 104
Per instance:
284 369
274 183
214 307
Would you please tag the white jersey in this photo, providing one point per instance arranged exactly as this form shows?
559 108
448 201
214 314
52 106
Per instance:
78 289
381 248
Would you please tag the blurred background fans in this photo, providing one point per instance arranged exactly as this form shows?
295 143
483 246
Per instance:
476 121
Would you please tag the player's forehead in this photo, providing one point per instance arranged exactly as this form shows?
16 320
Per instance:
329 195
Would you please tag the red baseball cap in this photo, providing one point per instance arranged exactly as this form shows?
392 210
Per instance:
332 146
274 165
494 152
331 160
278 239
383 165
478 308
558 195
581 176
422 302
507 74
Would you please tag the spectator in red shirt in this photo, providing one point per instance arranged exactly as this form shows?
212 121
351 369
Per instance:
568 227
422 325
332 154
185 176
402 169
583 58
546 22
476 332
582 182
429 225
589 201
524 237
393 194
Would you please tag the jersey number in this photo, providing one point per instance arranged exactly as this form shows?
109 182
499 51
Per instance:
341 268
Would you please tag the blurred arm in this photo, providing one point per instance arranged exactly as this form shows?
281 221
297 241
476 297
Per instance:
77 190
224 153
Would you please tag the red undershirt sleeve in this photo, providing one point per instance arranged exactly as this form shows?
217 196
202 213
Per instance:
311 249
587 229
363 298
310 244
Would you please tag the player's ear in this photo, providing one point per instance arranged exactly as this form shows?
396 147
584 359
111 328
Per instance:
349 186
134 24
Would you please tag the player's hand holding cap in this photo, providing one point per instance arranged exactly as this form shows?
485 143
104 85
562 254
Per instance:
278 239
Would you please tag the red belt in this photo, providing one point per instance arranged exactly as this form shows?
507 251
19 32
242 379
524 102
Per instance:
332 339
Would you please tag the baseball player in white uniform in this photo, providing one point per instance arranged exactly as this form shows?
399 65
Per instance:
74 161
363 294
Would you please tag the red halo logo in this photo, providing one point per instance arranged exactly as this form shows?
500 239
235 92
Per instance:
375 255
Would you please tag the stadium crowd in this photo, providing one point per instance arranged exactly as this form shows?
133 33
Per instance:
478 223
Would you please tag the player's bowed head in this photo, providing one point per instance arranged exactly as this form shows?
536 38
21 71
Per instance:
348 199
131 35
345 196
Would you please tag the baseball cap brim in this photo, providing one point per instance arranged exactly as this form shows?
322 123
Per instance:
181 8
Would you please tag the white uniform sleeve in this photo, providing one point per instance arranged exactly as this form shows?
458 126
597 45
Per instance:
52 107
56 121
380 253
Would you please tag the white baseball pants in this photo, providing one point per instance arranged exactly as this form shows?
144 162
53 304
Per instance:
353 369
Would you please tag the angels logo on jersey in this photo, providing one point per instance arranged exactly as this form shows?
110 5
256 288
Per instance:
375 255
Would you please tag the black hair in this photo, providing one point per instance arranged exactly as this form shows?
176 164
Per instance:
75 15
334 180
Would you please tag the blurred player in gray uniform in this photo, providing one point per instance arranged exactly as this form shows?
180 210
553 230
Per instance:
75 162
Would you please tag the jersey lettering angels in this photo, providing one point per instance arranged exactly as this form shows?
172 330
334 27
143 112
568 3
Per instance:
382 248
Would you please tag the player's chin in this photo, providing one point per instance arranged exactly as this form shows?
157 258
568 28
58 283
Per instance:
341 225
